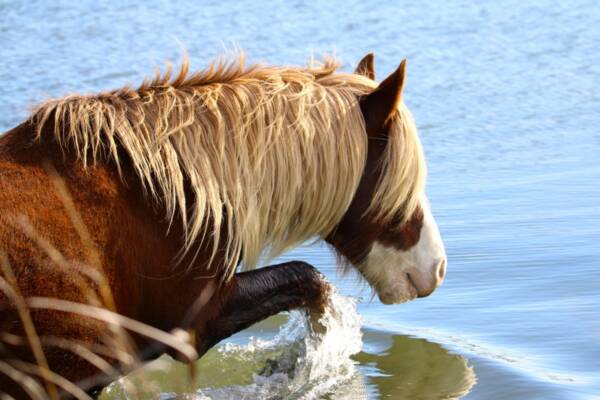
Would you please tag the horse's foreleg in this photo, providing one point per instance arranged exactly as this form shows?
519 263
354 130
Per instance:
260 293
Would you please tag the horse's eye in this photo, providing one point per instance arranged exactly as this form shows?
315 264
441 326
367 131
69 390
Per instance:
397 223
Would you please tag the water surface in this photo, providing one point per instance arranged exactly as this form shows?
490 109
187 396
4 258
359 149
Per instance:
505 96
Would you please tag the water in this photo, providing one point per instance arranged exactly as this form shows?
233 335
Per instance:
294 363
505 96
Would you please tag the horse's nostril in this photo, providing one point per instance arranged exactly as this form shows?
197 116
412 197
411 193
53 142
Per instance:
440 269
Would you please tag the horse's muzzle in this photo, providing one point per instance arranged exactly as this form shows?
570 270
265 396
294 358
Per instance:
425 282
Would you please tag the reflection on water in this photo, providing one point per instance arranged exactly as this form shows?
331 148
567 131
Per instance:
390 366
402 367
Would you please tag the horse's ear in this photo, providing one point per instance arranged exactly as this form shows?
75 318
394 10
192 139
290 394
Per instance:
366 66
381 104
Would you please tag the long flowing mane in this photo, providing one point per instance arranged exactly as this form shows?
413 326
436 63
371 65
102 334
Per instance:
272 155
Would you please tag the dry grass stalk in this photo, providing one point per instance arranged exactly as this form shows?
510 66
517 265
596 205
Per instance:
11 290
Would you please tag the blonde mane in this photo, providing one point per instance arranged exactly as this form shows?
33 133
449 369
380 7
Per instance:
273 155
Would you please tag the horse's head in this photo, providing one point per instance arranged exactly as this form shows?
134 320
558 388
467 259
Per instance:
402 255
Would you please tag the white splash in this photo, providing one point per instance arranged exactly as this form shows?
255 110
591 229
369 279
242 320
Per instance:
302 364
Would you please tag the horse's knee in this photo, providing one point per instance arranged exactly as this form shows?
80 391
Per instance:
305 270
313 282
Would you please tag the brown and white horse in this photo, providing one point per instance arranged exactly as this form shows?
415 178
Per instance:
160 193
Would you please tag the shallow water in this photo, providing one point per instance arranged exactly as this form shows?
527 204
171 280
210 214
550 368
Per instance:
505 96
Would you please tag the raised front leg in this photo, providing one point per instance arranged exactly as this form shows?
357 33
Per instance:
260 293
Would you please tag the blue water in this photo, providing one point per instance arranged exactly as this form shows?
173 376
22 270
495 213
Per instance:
506 98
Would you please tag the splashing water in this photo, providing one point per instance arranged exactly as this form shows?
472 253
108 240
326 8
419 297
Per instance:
298 363
301 364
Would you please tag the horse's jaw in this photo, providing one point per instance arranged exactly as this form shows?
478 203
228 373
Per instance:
401 275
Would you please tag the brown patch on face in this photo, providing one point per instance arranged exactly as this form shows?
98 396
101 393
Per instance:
356 232
407 235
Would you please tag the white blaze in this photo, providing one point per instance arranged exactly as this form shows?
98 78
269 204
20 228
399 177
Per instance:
401 275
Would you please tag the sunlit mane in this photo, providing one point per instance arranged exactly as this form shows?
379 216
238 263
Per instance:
272 155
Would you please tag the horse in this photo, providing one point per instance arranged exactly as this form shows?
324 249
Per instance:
156 204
